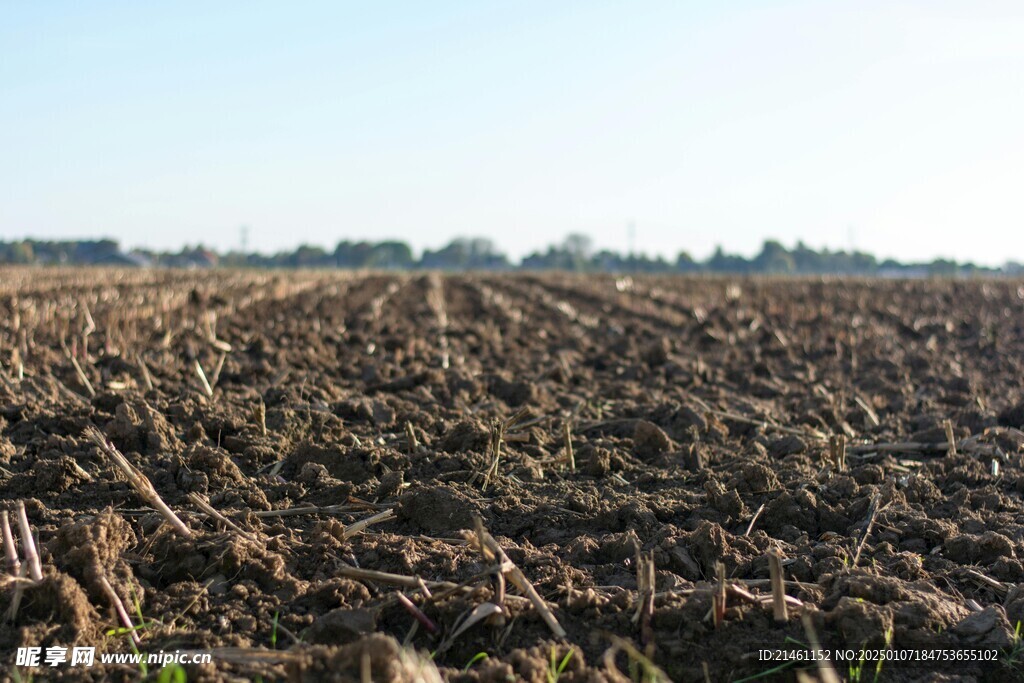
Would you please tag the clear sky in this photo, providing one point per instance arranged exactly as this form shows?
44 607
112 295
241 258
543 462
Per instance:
895 126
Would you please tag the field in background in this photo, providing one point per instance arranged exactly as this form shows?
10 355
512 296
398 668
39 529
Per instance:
570 474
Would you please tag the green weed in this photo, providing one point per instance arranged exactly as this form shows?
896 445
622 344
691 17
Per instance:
1013 656
555 667
172 673
478 657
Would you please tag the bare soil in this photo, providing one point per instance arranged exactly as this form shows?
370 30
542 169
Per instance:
702 415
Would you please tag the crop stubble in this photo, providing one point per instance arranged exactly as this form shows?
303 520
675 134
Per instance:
627 468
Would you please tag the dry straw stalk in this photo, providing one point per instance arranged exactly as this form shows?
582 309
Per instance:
10 551
142 485
28 544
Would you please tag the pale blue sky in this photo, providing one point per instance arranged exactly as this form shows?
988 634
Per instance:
899 124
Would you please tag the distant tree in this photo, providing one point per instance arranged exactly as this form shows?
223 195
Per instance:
465 254
943 268
453 256
774 259
862 263
391 255
720 262
806 260
22 252
608 261
307 256
481 249
575 252
685 263
578 246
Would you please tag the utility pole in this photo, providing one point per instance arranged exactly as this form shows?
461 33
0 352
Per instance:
245 239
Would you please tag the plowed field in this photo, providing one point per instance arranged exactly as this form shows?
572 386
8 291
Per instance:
399 477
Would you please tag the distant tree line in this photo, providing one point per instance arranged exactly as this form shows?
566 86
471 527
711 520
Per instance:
574 253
